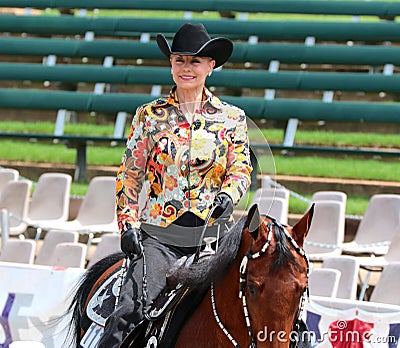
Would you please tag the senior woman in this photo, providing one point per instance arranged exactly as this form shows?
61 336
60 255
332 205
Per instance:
192 150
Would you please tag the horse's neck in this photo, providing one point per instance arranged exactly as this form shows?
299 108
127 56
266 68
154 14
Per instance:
203 332
230 306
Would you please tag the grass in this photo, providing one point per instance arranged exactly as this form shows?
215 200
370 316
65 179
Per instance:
329 138
273 136
355 205
348 167
57 153
48 128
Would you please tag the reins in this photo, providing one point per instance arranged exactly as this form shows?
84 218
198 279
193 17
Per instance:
243 283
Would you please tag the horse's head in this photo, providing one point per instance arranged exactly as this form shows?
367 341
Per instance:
274 276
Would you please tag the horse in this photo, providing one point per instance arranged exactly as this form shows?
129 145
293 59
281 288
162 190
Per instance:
254 299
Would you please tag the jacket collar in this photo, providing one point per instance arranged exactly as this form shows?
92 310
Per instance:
208 97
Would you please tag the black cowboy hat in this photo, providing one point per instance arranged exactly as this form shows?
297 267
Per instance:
193 40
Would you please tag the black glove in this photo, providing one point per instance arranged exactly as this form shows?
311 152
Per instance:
131 243
223 206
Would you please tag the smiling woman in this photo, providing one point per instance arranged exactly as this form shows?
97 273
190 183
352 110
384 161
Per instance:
193 151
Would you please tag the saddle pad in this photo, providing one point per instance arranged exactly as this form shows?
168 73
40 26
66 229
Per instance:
102 303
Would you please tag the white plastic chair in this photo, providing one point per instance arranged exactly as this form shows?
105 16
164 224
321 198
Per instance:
18 250
348 267
324 282
97 212
378 262
326 233
387 287
273 192
372 263
377 227
15 199
6 175
50 200
275 207
50 241
329 196
69 255
109 243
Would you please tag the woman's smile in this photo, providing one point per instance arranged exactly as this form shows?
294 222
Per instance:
187 77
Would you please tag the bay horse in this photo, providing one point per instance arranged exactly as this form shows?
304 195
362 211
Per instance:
258 281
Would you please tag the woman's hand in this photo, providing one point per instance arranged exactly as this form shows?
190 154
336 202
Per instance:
131 243
223 206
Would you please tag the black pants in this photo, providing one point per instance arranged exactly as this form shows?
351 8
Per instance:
159 258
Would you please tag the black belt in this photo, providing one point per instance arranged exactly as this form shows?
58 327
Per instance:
185 236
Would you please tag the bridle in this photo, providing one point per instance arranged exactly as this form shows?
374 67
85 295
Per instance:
243 283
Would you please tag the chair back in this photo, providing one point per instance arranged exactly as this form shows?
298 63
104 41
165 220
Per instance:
387 288
381 219
6 175
349 268
99 205
69 254
15 199
327 229
329 196
50 241
275 207
18 250
324 282
50 200
110 243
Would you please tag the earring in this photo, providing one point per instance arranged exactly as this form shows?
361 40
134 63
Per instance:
172 72
209 74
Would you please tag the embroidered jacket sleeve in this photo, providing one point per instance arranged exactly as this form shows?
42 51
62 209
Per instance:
131 173
237 179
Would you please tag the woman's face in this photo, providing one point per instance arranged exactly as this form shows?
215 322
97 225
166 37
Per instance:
190 72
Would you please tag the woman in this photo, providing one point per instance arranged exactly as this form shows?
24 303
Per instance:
192 150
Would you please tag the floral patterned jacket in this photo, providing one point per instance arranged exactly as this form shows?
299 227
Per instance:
185 165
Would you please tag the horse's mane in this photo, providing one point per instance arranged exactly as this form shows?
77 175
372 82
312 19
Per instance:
212 268
283 254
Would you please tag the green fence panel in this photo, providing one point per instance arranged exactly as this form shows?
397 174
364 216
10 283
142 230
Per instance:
265 30
256 108
79 48
86 73
243 52
318 54
272 6
234 78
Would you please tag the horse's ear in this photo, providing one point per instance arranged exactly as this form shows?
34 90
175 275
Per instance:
253 220
301 228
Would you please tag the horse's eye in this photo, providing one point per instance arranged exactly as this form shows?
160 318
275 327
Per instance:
253 289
